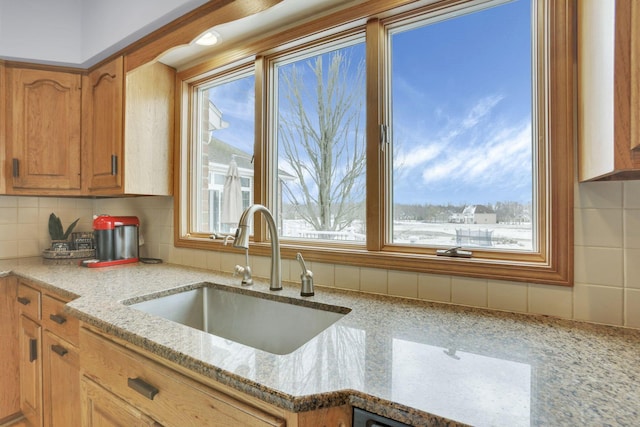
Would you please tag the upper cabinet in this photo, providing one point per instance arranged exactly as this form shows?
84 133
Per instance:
42 131
609 90
128 129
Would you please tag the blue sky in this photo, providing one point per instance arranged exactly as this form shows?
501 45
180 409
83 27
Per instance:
462 109
461 96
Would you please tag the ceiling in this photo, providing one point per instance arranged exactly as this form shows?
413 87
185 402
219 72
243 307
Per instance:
287 13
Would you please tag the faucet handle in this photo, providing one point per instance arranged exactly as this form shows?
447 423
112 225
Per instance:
306 278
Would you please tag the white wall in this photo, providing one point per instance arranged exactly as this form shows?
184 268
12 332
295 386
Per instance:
80 32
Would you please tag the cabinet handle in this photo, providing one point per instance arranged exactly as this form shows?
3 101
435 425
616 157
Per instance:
57 318
114 164
24 301
33 349
142 387
58 349
16 168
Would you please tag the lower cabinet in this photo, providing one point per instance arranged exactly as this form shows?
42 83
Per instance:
30 371
164 395
9 342
101 408
123 386
61 382
49 360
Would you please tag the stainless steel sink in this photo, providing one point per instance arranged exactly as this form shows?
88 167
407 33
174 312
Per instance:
277 326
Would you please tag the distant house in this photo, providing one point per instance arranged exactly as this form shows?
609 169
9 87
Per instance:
478 214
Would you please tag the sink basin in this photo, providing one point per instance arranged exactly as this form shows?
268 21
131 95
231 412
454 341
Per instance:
245 317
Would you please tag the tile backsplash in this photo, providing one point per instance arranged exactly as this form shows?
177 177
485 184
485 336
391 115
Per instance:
607 255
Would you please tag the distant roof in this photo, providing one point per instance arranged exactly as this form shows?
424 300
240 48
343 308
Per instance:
221 152
478 209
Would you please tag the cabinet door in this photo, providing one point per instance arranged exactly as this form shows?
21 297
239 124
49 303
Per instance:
100 408
43 136
9 357
61 382
103 127
30 371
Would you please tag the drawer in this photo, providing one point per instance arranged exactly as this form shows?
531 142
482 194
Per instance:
165 395
57 321
29 301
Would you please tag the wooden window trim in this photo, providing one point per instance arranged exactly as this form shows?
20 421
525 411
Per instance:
552 264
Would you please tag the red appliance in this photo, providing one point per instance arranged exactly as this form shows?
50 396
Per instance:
116 240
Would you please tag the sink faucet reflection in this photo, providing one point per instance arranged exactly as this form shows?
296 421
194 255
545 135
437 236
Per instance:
242 241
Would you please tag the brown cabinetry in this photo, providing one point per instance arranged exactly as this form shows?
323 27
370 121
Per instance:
49 360
42 131
128 129
609 90
30 337
9 342
157 391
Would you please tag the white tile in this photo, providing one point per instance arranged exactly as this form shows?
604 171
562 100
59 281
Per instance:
374 280
434 287
323 274
551 300
598 227
403 284
28 216
213 260
631 194
632 268
599 195
27 202
599 304
29 248
598 266
8 202
632 308
511 296
347 277
228 261
9 249
469 291
260 266
8 215
49 203
631 221
8 232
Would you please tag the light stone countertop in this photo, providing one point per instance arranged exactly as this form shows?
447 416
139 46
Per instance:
413 361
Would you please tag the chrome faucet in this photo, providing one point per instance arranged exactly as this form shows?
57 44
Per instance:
242 241
306 278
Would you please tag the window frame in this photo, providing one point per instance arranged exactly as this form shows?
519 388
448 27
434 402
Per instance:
555 43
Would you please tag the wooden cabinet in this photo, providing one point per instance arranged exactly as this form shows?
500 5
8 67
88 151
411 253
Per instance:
49 360
30 371
42 132
9 342
158 391
3 122
60 365
128 129
101 408
609 90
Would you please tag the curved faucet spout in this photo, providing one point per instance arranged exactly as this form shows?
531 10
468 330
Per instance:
242 240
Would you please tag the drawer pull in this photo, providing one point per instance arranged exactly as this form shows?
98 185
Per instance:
58 349
24 301
33 349
142 387
57 318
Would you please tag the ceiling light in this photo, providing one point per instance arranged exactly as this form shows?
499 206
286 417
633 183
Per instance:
208 39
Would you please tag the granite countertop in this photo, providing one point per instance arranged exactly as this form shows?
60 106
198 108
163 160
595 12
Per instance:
413 361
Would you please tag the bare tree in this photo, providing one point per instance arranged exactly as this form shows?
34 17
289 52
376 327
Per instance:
322 139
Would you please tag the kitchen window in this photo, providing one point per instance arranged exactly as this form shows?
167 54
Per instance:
456 131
